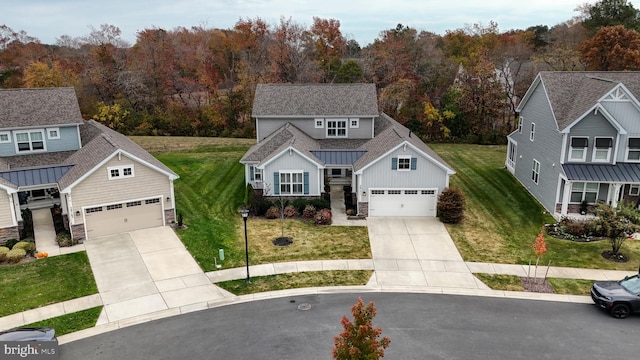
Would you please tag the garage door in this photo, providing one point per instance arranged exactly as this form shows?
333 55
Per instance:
123 217
403 202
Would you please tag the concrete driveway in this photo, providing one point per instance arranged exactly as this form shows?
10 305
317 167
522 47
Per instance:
416 251
144 271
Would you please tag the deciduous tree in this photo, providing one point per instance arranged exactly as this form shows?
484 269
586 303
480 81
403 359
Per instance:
360 339
613 48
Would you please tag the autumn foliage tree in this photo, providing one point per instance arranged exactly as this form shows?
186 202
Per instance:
360 339
539 248
613 48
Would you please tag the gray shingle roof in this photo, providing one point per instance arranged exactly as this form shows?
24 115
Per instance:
38 107
620 172
572 93
309 100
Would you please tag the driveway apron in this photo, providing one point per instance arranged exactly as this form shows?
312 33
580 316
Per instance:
416 251
145 271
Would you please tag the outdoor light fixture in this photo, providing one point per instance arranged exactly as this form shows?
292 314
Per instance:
245 214
77 213
168 198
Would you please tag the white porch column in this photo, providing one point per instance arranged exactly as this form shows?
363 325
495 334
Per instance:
565 198
616 195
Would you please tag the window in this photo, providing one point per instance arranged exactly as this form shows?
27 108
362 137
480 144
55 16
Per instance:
120 172
93 210
354 123
134 203
114 207
533 131
377 192
319 123
578 150
404 163
336 128
4 137
427 192
602 149
634 190
291 183
257 174
581 191
411 192
520 125
30 141
394 192
53 133
152 201
511 159
633 151
535 171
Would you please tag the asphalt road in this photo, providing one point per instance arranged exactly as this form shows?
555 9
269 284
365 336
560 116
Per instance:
421 326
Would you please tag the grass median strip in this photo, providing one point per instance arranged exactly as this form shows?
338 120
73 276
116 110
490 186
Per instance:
560 286
73 322
297 280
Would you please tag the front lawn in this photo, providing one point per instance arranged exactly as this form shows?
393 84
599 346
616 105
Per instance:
45 281
73 322
502 219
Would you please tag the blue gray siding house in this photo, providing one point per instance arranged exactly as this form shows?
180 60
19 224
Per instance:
578 140
309 134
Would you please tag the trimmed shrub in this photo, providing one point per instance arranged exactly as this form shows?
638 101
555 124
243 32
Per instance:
27 246
290 211
64 239
323 217
451 206
3 253
300 205
251 198
351 212
272 213
320 203
15 255
309 212
10 243
261 206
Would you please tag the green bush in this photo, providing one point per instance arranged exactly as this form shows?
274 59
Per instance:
320 203
15 255
64 239
3 253
10 243
309 212
261 206
27 246
300 205
272 213
251 197
451 206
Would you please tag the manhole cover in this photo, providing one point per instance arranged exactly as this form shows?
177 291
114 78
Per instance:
304 307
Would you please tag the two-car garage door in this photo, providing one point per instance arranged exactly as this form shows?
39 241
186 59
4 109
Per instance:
403 202
123 217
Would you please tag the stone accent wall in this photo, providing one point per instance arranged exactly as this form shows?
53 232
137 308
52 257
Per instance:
169 216
9 233
363 208
77 233
65 221
575 208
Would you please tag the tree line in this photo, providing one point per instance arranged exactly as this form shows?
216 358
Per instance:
463 86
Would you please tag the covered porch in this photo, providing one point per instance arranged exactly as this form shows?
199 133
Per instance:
589 184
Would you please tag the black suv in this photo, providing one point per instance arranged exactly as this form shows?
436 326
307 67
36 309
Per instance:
620 298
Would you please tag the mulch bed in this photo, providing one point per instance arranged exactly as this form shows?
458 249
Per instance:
282 241
607 254
536 285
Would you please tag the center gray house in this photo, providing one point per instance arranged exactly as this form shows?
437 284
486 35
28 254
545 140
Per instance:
311 134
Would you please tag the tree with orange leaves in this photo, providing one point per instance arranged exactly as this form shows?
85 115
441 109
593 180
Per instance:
359 339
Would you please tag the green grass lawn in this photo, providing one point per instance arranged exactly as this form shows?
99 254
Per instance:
45 281
69 323
502 219
560 286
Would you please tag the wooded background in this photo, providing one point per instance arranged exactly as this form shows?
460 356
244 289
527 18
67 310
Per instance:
462 86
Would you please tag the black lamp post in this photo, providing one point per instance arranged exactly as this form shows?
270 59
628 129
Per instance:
245 213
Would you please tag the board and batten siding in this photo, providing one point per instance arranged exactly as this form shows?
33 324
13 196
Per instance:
291 160
426 175
625 113
97 189
591 126
267 126
6 209
546 149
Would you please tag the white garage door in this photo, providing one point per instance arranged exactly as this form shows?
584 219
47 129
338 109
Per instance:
402 202
123 217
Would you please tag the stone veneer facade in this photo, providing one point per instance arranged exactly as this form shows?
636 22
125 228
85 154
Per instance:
8 234
363 209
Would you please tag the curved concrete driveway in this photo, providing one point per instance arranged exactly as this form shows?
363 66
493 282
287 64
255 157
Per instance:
416 251
145 271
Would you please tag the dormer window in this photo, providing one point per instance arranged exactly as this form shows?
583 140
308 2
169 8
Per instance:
578 151
337 128
4 137
319 123
633 151
29 141
53 133
602 149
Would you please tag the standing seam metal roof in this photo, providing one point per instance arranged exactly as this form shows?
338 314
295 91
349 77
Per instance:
620 172
31 177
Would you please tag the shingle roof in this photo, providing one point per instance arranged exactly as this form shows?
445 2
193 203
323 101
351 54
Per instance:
315 100
38 107
573 93
620 172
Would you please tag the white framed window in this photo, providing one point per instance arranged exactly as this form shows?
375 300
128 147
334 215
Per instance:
581 191
336 128
134 203
633 149
578 148
535 171
377 192
291 183
520 125
120 172
511 157
29 141
93 210
114 207
257 174
354 123
602 149
404 163
634 189
53 133
5 137
319 123
152 201
532 134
